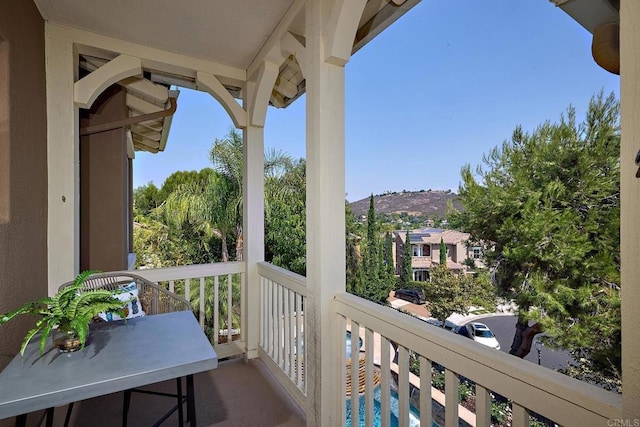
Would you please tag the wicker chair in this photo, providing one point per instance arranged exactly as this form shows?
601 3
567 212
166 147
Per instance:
154 300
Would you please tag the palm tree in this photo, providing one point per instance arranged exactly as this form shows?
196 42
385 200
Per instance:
208 205
227 158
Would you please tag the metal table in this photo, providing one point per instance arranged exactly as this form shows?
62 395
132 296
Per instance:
118 356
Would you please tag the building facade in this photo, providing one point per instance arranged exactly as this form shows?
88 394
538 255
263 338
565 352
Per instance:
462 255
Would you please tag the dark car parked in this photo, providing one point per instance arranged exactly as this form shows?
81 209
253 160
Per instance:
411 295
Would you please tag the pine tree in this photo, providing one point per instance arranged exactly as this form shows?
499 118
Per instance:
547 206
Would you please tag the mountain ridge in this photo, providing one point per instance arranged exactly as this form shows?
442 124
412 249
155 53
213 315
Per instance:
429 203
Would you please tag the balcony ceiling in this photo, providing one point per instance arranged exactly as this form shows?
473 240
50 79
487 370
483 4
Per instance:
231 33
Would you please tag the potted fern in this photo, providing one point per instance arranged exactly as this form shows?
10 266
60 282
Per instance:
68 313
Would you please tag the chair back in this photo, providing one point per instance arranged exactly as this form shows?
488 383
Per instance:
154 298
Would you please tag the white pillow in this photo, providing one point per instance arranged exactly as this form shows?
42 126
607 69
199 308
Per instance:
132 309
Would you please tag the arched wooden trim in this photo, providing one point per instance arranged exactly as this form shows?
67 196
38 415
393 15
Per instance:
290 45
267 75
87 89
341 29
212 85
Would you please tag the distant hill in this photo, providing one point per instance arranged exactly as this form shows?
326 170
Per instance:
430 203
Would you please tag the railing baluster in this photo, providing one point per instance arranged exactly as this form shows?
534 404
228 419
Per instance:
263 311
216 309
272 319
368 377
299 341
403 387
292 334
355 372
451 384
483 406
279 324
202 302
229 308
385 379
187 289
286 332
342 368
426 406
172 287
520 416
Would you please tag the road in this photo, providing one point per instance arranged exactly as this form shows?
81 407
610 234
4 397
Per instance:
504 326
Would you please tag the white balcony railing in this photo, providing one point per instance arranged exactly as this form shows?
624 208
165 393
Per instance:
530 388
214 291
391 341
282 299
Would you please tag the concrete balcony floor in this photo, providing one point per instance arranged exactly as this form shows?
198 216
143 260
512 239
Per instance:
234 394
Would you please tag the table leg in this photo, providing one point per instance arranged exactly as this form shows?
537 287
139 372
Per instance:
180 401
191 402
49 417
21 420
125 407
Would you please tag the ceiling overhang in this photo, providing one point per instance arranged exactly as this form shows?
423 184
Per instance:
590 13
232 35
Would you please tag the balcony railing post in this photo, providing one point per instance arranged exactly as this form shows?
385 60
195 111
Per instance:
630 205
252 227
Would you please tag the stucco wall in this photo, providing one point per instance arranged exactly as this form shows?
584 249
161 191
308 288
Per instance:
23 167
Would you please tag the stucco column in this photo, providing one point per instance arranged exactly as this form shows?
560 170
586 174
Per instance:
325 221
253 229
630 205
63 217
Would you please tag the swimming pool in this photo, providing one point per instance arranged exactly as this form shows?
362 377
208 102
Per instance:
414 414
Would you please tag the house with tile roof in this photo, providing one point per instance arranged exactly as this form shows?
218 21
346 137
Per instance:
425 246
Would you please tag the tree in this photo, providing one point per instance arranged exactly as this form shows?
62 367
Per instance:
450 292
179 178
145 199
406 274
285 218
227 158
443 252
374 283
371 263
211 207
354 273
547 208
388 266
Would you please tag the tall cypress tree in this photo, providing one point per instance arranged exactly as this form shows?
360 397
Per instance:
389 270
406 275
371 259
443 252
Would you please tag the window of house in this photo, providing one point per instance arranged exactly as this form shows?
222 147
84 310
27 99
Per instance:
421 275
476 253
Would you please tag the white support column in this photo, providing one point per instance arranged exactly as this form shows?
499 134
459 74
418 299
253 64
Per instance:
253 228
63 225
325 217
630 205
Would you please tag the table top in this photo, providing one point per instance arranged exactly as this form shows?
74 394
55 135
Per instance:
118 356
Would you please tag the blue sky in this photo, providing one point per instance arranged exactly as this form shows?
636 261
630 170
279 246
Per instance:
447 82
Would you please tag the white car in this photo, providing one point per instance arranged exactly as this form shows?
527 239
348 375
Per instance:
479 332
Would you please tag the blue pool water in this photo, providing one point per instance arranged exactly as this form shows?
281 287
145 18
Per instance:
414 414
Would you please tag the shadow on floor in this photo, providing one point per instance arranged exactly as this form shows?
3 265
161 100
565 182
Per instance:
235 394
